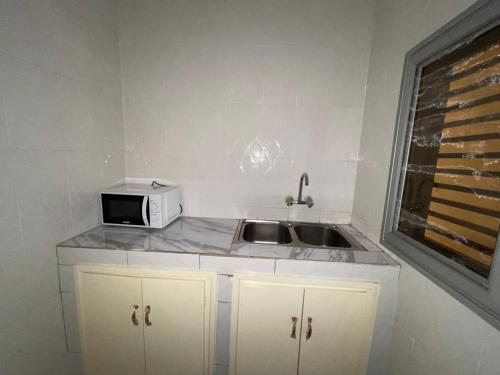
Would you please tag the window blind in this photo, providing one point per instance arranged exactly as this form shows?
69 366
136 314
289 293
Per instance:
451 195
465 202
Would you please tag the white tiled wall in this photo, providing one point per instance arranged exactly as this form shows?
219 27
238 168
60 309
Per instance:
235 99
158 260
228 265
223 333
71 255
434 333
61 140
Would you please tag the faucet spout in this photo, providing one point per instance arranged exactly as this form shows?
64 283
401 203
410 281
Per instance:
303 178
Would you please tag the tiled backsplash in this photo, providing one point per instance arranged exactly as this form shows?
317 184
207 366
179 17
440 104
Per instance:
233 100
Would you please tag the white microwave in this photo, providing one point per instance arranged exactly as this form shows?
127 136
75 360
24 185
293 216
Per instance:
140 205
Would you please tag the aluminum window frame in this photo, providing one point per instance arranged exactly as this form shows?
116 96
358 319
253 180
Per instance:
479 294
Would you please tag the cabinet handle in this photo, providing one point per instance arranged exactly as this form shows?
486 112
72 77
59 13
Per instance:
309 331
134 316
294 327
146 317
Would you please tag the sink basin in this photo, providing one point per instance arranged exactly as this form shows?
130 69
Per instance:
320 235
266 232
294 234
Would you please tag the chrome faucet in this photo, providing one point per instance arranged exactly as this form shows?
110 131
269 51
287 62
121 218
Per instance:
307 200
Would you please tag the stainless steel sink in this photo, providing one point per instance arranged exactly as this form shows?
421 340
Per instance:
318 235
267 232
298 234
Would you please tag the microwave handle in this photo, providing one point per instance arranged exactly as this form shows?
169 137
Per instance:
145 211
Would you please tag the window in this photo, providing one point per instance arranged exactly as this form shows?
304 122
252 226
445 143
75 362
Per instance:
443 204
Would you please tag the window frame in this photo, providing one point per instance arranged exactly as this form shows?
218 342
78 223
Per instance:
479 294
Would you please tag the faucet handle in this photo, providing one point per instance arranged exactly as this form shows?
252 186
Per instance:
309 201
289 200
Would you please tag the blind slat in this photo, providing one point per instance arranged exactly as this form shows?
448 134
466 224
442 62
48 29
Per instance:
475 77
470 113
462 231
479 58
458 247
480 164
487 127
472 217
472 96
480 146
471 182
475 200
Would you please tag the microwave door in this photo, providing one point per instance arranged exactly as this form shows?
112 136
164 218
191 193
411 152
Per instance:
125 209
145 211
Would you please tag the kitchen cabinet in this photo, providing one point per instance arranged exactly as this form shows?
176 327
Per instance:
173 337
306 327
267 315
109 305
145 322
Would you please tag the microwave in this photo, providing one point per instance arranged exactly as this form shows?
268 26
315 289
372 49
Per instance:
140 205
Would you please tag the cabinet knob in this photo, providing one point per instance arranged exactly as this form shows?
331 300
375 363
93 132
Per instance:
309 331
294 327
146 317
135 321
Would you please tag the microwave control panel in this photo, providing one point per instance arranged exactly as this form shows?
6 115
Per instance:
155 216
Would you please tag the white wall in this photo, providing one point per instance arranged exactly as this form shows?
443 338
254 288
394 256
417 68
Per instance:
61 139
235 99
434 334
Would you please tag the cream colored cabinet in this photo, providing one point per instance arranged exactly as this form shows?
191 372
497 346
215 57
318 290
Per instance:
268 317
336 330
174 332
305 327
112 342
143 322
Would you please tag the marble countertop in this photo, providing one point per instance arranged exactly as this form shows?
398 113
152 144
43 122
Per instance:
211 236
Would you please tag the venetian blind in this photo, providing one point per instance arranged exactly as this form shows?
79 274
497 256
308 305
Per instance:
465 206
452 190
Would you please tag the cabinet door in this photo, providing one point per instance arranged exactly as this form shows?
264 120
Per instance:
337 328
264 342
112 336
176 327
